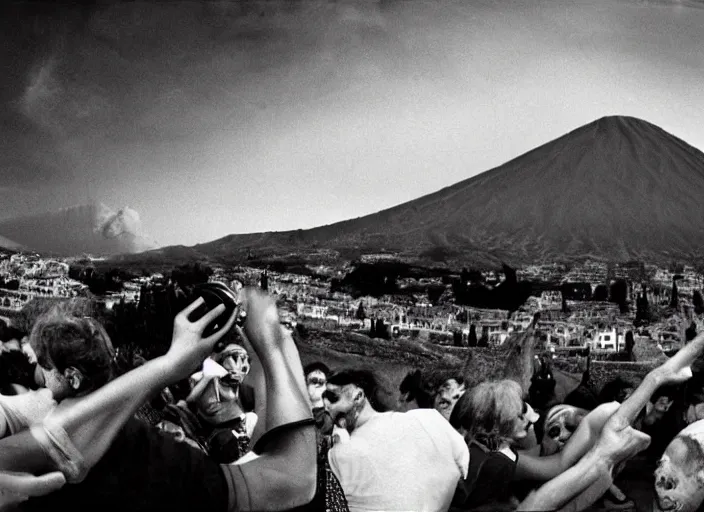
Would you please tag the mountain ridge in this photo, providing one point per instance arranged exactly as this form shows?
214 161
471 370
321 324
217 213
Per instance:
618 188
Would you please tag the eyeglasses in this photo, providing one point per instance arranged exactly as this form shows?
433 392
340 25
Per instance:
316 381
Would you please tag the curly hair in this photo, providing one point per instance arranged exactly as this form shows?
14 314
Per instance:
488 412
62 339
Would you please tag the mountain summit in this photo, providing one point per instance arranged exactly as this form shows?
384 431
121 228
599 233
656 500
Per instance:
618 188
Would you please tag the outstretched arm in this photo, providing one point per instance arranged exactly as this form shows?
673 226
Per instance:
584 483
74 438
534 467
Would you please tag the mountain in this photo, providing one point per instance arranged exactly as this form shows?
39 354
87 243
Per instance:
618 188
6 243
92 228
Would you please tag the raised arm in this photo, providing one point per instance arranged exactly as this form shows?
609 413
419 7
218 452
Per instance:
283 477
533 467
74 438
584 483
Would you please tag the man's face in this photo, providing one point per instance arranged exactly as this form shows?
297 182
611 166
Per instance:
344 404
218 403
446 397
677 486
559 428
663 404
316 381
55 382
235 360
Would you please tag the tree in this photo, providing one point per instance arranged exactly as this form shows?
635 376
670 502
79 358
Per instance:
630 343
472 338
264 283
690 333
372 329
642 310
457 338
360 314
380 329
619 294
698 302
674 296
189 275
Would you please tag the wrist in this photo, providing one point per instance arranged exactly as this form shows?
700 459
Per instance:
656 377
600 459
169 369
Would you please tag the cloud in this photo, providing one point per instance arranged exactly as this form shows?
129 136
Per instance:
125 221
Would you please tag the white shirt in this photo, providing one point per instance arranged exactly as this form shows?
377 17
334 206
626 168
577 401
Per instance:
398 462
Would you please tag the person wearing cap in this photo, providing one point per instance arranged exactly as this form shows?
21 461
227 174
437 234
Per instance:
112 461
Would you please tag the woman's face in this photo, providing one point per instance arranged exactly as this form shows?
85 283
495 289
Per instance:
522 423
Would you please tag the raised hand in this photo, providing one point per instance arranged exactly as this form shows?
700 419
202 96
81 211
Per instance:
188 347
678 368
262 326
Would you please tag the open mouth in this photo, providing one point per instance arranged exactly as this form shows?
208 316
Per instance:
666 504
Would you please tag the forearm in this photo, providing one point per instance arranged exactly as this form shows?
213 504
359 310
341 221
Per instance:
533 467
631 407
284 476
287 398
586 435
92 422
590 474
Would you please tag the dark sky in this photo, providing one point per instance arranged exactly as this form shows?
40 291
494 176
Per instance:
211 118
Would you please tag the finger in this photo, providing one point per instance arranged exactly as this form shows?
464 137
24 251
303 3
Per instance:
191 307
210 316
30 485
687 354
215 337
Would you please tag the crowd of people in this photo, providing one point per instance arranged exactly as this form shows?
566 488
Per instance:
233 421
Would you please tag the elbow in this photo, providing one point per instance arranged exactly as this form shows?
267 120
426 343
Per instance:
305 487
301 484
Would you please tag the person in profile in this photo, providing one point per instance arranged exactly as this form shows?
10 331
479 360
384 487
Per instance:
393 460
112 461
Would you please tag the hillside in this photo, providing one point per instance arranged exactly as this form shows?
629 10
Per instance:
618 188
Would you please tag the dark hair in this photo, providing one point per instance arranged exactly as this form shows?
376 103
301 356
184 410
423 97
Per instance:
364 380
417 389
12 333
316 366
613 389
583 397
670 391
62 340
15 368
